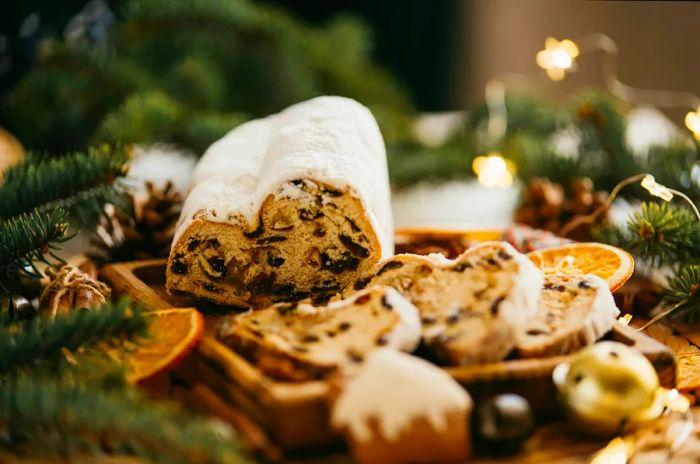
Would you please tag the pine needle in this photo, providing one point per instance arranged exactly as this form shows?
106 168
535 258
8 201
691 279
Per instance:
39 181
663 233
683 291
42 415
40 341
27 238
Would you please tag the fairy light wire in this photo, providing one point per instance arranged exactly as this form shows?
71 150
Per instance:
591 218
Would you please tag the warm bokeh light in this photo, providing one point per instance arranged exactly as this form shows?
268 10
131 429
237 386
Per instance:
557 57
692 122
493 170
656 189
618 451
675 401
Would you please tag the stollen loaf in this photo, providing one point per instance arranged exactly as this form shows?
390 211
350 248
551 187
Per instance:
292 206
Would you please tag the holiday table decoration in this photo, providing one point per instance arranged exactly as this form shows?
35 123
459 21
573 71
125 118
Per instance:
483 322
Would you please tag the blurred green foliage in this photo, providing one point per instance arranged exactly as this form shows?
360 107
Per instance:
187 71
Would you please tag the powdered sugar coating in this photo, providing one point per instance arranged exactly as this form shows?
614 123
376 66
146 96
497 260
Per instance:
333 140
394 389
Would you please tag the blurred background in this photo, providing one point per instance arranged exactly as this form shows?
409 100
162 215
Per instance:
445 52
182 73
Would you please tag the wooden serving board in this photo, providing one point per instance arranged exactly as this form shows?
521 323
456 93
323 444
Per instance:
295 415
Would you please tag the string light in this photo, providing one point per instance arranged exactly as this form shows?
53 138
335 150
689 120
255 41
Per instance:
648 183
692 122
557 57
493 170
656 189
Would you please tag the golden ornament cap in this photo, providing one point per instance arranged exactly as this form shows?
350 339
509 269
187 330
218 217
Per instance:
608 388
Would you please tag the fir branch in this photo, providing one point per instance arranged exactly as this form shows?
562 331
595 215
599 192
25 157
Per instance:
42 415
535 157
683 291
412 163
663 233
86 206
32 184
603 151
27 238
40 341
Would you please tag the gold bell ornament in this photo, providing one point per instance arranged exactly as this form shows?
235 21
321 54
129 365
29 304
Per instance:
609 388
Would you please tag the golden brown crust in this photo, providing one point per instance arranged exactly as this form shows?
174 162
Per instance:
418 442
309 244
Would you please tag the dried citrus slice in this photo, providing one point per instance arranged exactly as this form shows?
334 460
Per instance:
608 262
173 334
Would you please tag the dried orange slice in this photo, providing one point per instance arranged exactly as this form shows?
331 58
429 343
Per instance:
173 334
608 262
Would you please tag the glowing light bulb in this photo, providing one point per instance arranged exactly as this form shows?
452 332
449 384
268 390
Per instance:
557 57
656 189
692 122
493 170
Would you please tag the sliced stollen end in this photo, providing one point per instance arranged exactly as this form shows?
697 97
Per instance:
575 311
287 207
470 307
298 342
400 408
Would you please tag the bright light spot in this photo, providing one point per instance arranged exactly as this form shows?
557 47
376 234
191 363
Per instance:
656 189
692 122
557 57
675 401
625 320
493 170
561 59
618 451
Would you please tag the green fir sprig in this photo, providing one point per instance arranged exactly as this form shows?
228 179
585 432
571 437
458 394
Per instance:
29 238
40 342
663 234
683 291
53 417
44 182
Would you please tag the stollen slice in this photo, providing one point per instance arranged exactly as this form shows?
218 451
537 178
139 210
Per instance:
574 311
470 307
299 342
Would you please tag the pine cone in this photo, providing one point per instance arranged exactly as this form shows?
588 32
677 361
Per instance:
145 233
545 205
17 307
71 288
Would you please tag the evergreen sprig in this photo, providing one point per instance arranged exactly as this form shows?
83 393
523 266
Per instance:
663 233
67 418
28 238
683 291
40 341
45 182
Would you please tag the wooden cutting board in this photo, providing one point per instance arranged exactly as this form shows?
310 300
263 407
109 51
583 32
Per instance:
295 415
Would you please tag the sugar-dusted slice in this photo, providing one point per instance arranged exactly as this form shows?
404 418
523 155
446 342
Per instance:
471 307
575 311
298 342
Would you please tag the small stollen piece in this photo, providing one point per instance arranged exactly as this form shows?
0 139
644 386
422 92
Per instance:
471 307
286 207
400 409
71 288
298 342
575 311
